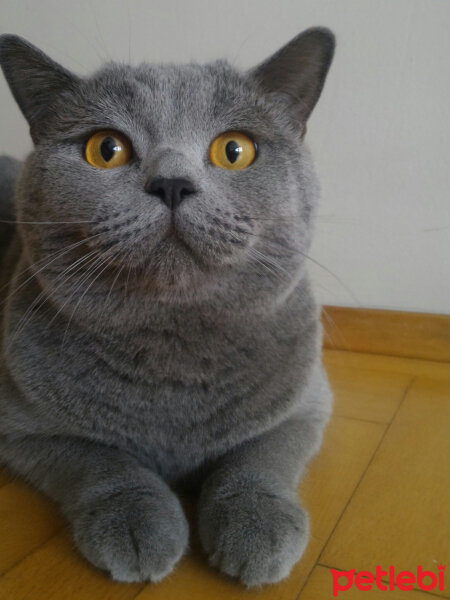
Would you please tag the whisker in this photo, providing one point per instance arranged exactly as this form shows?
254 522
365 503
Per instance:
265 266
275 263
130 265
109 261
45 296
246 217
91 260
336 277
336 328
313 260
94 265
59 255
60 252
264 259
114 281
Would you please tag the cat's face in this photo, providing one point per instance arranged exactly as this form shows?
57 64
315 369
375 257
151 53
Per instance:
256 218
170 116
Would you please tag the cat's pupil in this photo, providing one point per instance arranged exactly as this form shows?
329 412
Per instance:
232 150
108 148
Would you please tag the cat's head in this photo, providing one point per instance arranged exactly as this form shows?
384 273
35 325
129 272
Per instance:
182 176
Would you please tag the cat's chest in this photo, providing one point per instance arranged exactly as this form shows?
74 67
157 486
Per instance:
162 384
172 357
178 394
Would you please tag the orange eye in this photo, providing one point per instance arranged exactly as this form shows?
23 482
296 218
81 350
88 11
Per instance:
107 150
232 150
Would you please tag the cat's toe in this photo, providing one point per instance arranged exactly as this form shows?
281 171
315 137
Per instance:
134 536
253 535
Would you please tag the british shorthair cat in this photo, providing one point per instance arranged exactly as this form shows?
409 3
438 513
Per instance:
159 329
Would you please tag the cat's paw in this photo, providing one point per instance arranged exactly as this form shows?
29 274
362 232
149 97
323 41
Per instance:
137 535
252 534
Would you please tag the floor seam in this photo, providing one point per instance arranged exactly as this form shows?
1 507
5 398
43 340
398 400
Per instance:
401 356
342 416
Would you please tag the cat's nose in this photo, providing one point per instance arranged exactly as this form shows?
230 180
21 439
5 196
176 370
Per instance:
171 191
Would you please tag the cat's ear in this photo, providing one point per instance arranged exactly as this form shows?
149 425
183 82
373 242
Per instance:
35 79
298 70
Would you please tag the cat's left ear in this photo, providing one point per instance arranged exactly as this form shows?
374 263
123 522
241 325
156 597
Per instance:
35 79
298 70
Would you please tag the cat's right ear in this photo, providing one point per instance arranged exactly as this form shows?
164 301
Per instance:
35 79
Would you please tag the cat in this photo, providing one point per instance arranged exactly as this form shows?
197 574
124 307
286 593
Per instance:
160 332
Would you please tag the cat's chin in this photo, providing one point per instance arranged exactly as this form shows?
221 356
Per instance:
173 265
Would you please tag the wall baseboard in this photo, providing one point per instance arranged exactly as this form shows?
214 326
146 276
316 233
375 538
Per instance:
396 333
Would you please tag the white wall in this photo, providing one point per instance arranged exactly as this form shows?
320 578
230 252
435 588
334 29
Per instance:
380 134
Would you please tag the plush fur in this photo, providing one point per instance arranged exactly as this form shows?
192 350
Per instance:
146 349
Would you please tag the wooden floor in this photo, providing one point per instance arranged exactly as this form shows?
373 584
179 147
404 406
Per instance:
377 495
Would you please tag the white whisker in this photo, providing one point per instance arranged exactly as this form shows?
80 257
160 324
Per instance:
109 261
59 255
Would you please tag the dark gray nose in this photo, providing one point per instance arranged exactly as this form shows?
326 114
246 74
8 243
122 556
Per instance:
171 191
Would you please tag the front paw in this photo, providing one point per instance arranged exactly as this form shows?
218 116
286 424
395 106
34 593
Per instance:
252 534
135 535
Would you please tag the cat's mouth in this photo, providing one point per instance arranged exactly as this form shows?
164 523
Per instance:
173 242
172 233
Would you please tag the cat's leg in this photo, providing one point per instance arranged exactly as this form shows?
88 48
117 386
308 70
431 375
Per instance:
250 522
124 517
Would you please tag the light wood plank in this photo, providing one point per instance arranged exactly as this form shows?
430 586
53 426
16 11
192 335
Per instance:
320 587
399 514
396 333
366 394
347 449
27 519
392 364
56 571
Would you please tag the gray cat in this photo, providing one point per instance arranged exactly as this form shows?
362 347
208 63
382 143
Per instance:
159 327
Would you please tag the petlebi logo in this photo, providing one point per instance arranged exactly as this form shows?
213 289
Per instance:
388 580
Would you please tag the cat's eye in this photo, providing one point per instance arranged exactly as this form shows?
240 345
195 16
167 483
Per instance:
232 150
108 149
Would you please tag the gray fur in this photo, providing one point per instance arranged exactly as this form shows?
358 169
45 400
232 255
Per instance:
157 362
9 168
